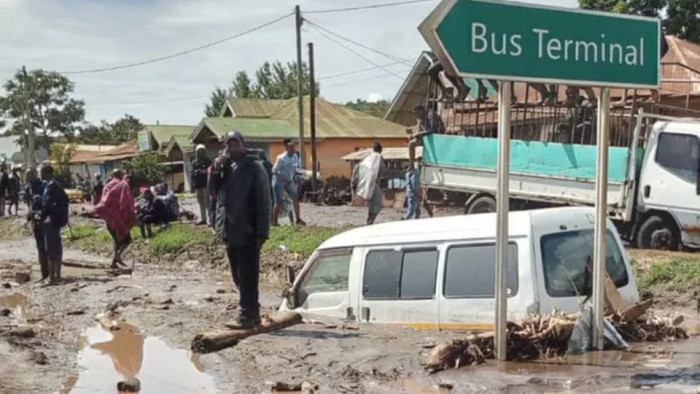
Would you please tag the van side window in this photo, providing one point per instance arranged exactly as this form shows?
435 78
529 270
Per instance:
408 274
329 273
565 257
470 271
679 154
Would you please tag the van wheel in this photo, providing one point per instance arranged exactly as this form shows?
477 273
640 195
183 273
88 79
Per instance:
483 204
657 233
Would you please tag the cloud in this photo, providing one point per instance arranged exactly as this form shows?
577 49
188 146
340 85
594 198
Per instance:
66 35
374 97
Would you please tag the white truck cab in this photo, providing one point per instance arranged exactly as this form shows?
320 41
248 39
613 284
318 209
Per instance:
668 198
439 273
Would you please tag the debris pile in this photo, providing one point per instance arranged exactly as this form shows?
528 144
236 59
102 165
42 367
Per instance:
545 336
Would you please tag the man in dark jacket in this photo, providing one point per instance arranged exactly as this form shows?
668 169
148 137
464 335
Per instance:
242 220
4 185
199 181
53 216
33 194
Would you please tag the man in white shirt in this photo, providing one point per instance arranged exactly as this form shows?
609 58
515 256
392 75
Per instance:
284 172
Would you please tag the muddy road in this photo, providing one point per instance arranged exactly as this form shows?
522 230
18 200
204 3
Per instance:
89 333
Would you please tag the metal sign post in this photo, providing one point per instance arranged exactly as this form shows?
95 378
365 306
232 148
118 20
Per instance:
601 219
502 207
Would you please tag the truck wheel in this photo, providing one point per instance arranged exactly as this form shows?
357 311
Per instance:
657 233
483 204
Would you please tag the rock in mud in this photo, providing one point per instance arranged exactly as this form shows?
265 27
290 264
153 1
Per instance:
5 312
39 358
22 332
309 388
129 385
23 277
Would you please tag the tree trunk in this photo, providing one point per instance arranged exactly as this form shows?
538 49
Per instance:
221 339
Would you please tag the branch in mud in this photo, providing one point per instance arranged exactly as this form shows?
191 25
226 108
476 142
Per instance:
545 336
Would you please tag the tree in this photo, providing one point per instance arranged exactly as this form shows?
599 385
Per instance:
683 19
218 99
377 109
61 153
123 130
272 81
146 168
46 96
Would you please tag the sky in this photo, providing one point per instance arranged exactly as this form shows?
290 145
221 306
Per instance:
70 35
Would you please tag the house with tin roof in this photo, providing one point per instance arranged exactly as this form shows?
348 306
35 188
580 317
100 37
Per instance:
266 123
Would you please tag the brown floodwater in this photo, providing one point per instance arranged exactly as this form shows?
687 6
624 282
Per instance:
109 354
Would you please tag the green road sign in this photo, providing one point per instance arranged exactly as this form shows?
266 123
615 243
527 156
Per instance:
524 42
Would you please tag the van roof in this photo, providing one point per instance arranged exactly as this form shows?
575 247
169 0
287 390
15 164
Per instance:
480 226
684 125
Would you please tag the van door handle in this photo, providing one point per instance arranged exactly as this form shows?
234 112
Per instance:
647 191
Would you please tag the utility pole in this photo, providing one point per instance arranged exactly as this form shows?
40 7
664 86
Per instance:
29 156
300 88
312 117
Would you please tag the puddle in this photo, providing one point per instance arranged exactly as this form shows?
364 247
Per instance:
18 303
411 386
109 356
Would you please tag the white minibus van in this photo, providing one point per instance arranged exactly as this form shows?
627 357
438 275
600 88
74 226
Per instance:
439 273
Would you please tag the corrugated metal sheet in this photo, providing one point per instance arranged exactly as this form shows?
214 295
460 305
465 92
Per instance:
163 133
387 154
252 129
255 108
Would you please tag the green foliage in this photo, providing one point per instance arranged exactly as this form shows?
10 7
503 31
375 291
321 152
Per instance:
146 168
46 97
178 236
377 109
61 154
218 99
681 17
302 240
122 130
677 276
272 81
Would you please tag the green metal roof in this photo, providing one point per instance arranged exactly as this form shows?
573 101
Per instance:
255 108
332 120
252 128
163 133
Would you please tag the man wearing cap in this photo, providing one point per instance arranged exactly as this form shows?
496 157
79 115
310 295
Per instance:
241 183
200 181
284 172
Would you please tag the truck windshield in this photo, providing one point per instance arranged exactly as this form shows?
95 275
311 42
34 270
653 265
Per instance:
679 154
565 257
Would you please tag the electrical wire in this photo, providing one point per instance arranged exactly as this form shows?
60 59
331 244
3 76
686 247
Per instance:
367 7
332 76
361 56
353 81
185 52
387 55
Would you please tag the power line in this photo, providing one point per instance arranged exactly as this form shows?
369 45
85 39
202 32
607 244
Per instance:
353 81
387 55
185 52
149 102
367 7
359 54
332 76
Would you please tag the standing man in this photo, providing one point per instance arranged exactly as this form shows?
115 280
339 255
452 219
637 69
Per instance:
412 193
427 122
366 181
33 194
242 220
199 181
97 188
116 208
4 183
284 173
13 187
53 216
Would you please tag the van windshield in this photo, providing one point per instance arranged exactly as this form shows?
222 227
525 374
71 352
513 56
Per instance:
328 273
565 257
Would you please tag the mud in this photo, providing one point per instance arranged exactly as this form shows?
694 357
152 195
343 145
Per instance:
97 329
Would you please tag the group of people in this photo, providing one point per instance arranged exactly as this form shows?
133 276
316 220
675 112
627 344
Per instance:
283 177
10 184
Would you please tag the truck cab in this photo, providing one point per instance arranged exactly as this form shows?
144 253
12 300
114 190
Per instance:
668 194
